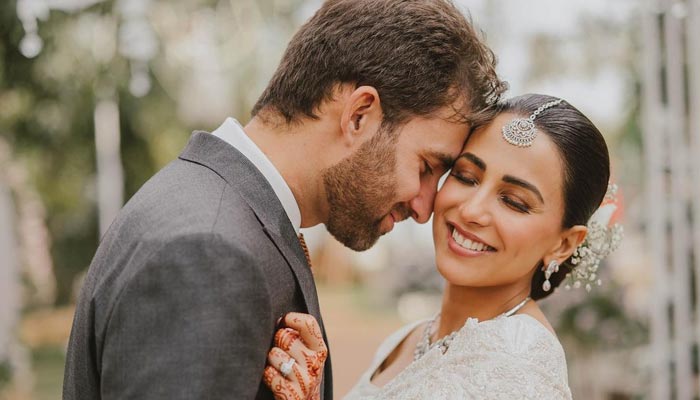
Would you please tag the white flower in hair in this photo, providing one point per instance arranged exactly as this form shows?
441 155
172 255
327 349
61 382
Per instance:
604 214
604 237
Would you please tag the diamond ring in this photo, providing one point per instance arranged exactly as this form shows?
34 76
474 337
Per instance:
286 367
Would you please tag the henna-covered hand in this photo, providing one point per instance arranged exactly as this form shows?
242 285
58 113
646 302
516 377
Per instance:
302 341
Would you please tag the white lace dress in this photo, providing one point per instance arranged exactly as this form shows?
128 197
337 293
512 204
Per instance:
504 358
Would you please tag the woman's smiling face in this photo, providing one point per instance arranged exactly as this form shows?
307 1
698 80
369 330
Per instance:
499 213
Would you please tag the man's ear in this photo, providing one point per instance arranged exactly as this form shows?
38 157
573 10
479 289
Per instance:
362 115
569 240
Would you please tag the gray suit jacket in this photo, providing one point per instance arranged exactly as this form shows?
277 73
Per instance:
182 296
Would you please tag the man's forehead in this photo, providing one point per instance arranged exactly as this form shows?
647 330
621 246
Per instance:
449 143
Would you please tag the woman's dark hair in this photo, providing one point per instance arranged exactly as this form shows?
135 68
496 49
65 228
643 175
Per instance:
586 163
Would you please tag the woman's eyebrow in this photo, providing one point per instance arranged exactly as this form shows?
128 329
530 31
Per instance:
474 159
524 184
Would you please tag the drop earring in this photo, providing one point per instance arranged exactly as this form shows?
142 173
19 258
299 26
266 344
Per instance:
552 267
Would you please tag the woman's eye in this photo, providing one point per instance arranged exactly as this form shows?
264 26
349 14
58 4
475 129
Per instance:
516 205
464 179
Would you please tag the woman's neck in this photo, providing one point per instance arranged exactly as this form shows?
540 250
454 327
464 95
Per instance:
460 303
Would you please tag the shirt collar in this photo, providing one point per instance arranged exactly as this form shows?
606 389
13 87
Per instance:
232 133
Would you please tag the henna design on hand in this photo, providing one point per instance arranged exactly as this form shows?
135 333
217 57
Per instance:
280 387
306 385
314 330
285 337
300 380
284 391
317 392
322 355
268 374
313 364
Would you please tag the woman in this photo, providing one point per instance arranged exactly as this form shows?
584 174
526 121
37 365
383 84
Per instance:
508 219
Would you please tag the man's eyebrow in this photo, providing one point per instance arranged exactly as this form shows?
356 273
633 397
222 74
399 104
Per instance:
524 184
474 159
445 159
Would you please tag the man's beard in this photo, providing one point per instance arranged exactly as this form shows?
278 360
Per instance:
361 191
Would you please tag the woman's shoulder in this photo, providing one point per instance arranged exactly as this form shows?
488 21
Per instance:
518 354
526 329
508 357
520 334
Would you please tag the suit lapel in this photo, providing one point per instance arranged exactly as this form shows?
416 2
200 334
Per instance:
300 267
292 252
215 154
210 151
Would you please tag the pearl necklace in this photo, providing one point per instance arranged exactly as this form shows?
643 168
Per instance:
424 345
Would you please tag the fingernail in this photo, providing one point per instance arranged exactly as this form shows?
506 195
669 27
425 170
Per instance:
292 331
280 321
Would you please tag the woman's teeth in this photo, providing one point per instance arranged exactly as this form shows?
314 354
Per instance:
467 243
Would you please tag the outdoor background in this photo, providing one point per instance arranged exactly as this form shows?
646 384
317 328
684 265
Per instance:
96 96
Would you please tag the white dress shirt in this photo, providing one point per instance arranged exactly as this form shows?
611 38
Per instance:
232 133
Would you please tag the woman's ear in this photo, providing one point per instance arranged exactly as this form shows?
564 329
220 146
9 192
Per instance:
362 115
569 240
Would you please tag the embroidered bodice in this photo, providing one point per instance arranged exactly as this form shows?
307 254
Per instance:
504 358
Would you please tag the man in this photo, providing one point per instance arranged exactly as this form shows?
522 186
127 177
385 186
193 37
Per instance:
370 104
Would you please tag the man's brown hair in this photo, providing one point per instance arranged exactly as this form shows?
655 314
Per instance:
420 56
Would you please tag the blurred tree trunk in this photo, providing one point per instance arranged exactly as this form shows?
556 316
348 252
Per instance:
14 362
8 281
110 174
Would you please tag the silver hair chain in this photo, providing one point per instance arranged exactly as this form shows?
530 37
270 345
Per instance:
544 107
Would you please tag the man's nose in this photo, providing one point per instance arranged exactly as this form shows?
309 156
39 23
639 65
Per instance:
422 204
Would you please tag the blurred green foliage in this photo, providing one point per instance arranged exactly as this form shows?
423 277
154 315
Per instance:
47 103
48 365
600 323
5 373
46 115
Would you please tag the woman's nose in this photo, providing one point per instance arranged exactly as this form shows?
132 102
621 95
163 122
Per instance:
475 209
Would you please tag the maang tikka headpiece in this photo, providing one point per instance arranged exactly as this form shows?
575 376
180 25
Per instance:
521 132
